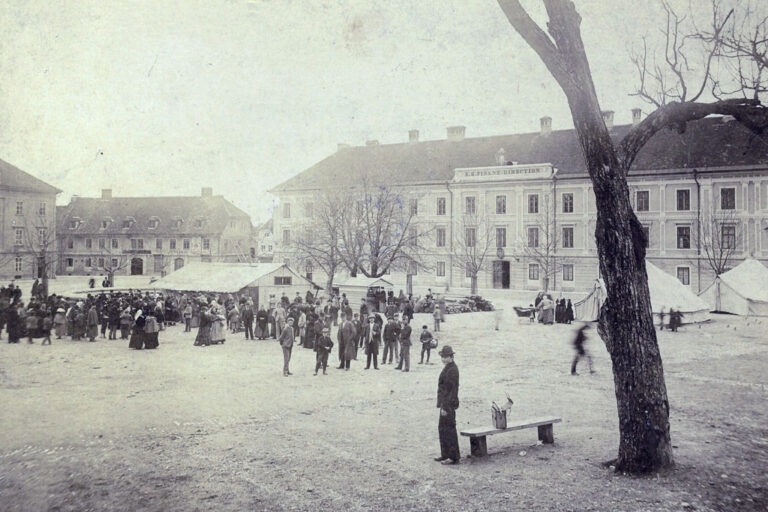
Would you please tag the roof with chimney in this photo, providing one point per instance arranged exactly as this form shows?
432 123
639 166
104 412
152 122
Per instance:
710 142
13 178
186 215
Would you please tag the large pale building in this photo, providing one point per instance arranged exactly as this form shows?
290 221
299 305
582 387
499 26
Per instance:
150 235
525 189
28 210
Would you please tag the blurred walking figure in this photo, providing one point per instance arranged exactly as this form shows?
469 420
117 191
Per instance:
578 345
675 319
661 318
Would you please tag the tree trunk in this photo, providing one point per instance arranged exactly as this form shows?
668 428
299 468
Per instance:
473 285
626 322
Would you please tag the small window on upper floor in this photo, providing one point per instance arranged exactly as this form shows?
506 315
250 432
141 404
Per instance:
153 223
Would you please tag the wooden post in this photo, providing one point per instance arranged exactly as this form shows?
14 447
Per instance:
478 446
546 434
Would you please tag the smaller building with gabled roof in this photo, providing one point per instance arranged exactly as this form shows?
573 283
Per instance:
150 235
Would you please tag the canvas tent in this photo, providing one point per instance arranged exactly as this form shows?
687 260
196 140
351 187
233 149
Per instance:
666 292
743 290
265 282
356 288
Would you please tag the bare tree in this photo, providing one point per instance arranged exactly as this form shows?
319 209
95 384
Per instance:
319 243
379 232
718 239
473 246
539 244
626 323
111 262
40 247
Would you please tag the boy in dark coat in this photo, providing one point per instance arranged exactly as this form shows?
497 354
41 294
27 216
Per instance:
323 346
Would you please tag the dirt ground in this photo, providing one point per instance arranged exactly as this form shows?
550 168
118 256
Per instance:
96 426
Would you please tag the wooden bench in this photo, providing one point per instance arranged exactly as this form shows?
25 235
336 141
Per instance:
477 435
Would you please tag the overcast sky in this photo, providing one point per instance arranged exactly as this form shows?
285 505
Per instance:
163 97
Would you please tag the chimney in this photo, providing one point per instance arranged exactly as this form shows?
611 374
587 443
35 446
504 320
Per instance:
413 136
501 157
371 143
341 146
106 193
455 132
636 113
546 125
608 118
207 192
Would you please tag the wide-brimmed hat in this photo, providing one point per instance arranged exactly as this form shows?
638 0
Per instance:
60 310
446 351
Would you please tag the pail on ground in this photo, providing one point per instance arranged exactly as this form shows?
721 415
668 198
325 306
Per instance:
499 418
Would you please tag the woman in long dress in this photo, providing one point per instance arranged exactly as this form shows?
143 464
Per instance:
60 323
203 338
151 330
137 333
217 326
92 323
262 324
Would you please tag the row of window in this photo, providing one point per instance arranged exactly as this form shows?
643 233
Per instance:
153 223
642 203
566 241
683 199
41 208
136 243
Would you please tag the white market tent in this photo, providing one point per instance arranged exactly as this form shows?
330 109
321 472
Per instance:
666 292
743 290
356 288
265 282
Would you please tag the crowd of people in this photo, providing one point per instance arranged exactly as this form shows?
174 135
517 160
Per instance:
551 311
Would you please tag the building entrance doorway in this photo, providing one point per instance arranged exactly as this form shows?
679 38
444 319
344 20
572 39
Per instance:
178 263
501 274
137 266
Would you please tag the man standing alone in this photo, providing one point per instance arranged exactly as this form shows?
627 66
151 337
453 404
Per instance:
448 402
286 341
405 347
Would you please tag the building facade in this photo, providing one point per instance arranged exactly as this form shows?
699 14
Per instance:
527 200
28 209
150 235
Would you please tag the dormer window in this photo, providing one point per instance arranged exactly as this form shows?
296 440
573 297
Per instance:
74 223
128 222
178 222
199 222
153 222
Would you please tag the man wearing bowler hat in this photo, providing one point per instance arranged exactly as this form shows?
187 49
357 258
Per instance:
448 402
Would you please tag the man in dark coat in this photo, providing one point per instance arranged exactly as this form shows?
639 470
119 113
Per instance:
391 336
448 402
247 316
347 338
405 347
286 342
371 338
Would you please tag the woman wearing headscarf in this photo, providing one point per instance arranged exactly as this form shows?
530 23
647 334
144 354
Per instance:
262 324
217 325
151 330
137 334
60 323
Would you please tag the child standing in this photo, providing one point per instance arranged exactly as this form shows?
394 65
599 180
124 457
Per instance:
426 343
323 347
437 314
578 345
